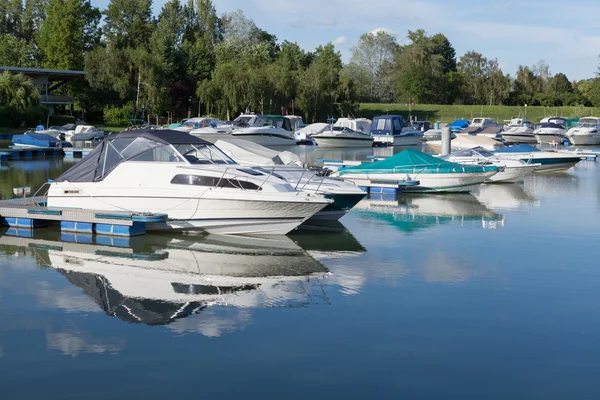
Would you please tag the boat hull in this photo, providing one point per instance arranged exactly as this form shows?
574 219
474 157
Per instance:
585 140
219 215
519 138
398 140
549 138
343 142
436 182
513 174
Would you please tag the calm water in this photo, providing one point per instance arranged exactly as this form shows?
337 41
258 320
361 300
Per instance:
490 295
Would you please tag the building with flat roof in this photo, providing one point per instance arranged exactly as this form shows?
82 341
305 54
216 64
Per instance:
48 82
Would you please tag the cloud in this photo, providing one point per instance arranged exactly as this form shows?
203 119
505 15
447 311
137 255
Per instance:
385 30
339 41
75 343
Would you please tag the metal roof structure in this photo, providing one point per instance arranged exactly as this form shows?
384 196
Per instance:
47 81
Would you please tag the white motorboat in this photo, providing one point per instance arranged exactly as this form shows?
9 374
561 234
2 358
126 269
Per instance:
519 131
362 125
483 127
464 142
288 166
550 131
266 130
586 132
508 170
341 137
191 180
393 130
305 133
551 161
434 174
208 128
82 133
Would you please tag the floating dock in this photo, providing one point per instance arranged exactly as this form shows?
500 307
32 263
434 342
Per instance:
77 152
31 213
29 153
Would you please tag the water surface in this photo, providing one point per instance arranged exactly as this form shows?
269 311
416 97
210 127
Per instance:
492 294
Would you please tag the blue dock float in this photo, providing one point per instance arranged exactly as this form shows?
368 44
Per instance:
29 214
29 153
77 152
6 136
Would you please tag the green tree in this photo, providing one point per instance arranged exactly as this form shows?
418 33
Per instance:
69 30
16 52
166 40
371 65
17 91
128 23
11 13
33 18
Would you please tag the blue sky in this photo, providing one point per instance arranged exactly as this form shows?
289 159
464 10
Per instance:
564 34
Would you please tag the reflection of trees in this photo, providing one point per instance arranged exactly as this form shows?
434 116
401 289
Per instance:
28 173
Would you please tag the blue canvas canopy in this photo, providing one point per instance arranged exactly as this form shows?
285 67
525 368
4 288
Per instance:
459 125
387 125
39 140
411 161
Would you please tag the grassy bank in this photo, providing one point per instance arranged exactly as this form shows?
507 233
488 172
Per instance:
449 113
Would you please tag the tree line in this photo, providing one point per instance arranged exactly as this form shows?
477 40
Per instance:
190 60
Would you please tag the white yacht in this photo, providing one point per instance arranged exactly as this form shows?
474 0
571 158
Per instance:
190 179
287 165
266 130
82 133
519 131
587 132
342 137
393 130
483 127
362 125
305 133
550 130
508 170
551 161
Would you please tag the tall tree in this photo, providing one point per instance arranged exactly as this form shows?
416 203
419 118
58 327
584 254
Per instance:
128 23
166 40
371 65
68 32
11 14
16 52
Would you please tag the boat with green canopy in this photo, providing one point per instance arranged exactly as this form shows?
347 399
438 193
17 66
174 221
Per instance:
434 174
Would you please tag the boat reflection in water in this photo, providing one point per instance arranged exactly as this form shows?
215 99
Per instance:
510 196
415 212
161 279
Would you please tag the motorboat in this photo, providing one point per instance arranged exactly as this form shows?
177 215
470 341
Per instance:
266 130
464 142
362 125
189 179
166 279
36 140
393 130
483 127
458 125
433 174
519 130
288 166
208 128
341 137
305 134
508 170
586 132
82 133
435 135
551 131
551 161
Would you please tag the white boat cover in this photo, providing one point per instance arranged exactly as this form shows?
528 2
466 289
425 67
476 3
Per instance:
313 128
250 153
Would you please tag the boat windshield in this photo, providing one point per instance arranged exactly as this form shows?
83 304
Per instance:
208 154
588 123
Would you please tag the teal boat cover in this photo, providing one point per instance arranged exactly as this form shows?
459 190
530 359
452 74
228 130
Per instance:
414 161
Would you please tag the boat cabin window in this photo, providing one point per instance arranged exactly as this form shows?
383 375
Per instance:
397 125
159 154
212 181
210 154
381 124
